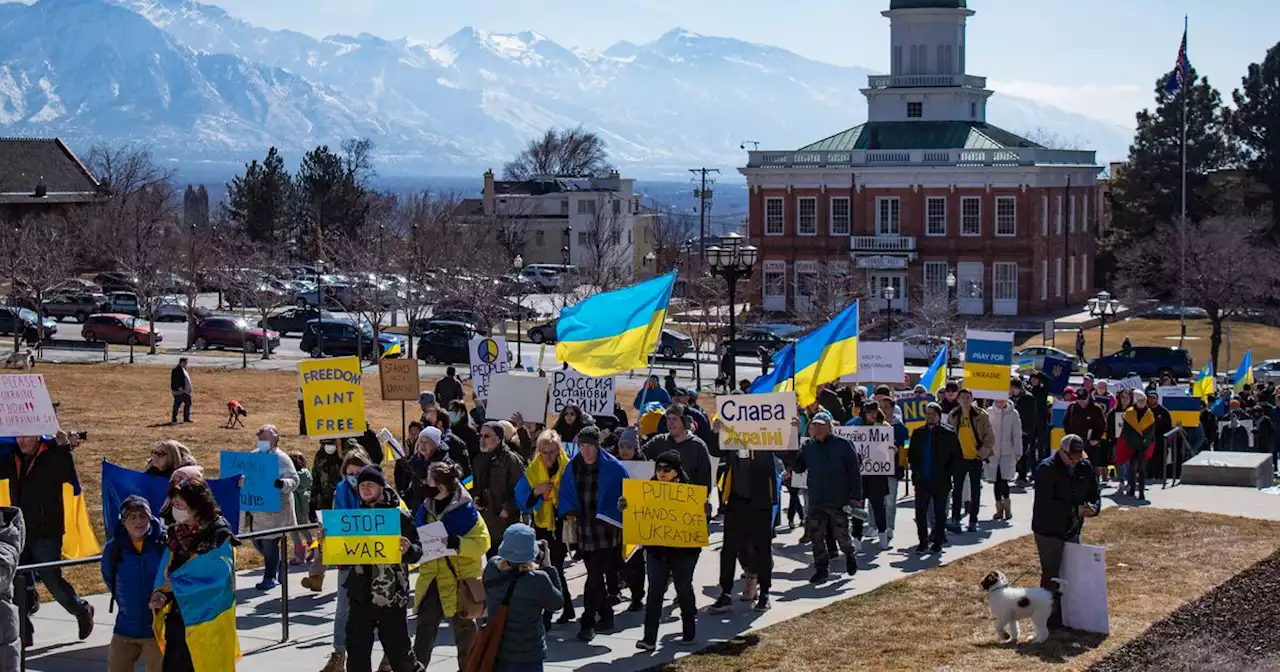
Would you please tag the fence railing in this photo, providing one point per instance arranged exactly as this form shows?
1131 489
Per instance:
20 596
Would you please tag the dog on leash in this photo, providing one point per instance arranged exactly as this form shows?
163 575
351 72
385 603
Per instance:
235 414
20 360
1010 605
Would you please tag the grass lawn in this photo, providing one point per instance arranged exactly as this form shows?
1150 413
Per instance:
1265 340
125 408
938 619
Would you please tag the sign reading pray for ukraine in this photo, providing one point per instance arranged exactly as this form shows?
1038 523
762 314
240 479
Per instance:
361 536
758 421
333 397
988 357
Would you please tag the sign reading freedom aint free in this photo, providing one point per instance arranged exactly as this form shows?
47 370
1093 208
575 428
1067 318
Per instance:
332 397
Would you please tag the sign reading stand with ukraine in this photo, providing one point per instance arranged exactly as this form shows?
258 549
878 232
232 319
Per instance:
361 536
988 357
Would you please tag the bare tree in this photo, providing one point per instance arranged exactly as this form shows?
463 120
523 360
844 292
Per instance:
1051 139
202 264
370 261
607 263
669 235
252 287
569 152
420 222
41 255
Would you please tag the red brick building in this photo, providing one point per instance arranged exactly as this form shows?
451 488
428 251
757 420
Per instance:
926 189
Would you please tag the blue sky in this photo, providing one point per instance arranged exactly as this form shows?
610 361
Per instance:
1097 57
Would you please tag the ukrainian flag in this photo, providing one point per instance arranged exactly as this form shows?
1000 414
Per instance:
1202 386
1244 372
1057 421
203 589
78 539
936 376
824 355
615 331
780 378
1183 411
392 350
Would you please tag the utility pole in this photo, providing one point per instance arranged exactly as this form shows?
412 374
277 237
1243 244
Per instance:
704 197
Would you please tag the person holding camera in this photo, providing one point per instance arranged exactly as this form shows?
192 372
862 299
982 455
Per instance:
521 577
1067 493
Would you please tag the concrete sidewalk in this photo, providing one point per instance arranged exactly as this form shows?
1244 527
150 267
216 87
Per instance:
311 615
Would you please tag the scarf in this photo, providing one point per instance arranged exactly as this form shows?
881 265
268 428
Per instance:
544 513
1137 435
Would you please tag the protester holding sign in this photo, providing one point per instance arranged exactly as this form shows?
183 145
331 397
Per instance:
344 497
748 493
279 514
835 489
537 494
877 487
1066 494
694 454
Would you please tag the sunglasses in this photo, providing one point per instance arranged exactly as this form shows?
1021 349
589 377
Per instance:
665 468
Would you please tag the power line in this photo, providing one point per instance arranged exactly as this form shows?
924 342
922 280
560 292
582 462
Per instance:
704 198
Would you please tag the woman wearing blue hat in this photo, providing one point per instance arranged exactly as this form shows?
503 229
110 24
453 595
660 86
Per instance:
520 578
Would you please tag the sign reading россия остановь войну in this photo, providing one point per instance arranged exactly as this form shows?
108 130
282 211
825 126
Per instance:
758 421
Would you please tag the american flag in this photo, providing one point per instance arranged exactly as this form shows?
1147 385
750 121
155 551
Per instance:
1181 69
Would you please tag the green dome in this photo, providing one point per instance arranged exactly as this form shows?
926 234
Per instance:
927 4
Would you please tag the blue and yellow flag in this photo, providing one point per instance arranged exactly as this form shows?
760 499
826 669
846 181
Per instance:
119 482
936 376
205 593
1244 372
78 539
1183 411
779 379
1202 385
392 350
824 355
1057 420
615 331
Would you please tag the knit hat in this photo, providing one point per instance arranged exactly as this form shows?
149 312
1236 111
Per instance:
433 435
669 459
185 473
519 545
426 398
629 437
134 503
589 435
371 474
508 430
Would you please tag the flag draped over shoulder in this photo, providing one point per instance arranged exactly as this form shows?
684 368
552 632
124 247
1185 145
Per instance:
615 331
118 483
204 590
1244 372
78 539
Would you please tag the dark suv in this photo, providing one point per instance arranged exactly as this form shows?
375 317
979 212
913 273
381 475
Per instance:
1145 361
341 337
76 305
25 322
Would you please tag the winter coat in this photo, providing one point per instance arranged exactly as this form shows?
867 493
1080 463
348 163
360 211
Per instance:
12 541
1006 427
386 585
835 477
1025 405
1059 491
130 576
693 455
946 455
1235 439
285 517
762 475
461 520
649 395
35 486
326 473
1086 422
448 389
981 429
495 487
302 497
543 508
524 639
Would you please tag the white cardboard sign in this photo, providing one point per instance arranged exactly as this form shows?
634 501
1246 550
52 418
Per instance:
1130 383
434 540
1084 593
640 470
25 407
874 444
758 421
509 394
595 396
878 362
488 357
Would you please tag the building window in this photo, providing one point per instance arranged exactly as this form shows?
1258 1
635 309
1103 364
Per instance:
915 110
586 207
971 216
973 110
617 207
1044 279
582 237
807 216
935 217
1005 276
1071 274
1084 276
773 222
888 210
1071 215
775 279
615 237
839 284
1057 276
1044 214
539 237
806 284
840 220
1006 216
1084 217
935 279
1058 218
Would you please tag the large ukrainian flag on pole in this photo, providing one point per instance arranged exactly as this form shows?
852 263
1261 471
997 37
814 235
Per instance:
204 591
1244 372
614 331
823 356
936 376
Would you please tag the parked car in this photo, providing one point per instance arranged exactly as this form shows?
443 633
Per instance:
1145 361
25 323
232 332
922 349
674 344
293 320
174 309
72 285
1170 311
122 302
112 281
336 297
543 333
422 326
342 337
1268 370
76 305
118 328
444 346
1034 357
748 344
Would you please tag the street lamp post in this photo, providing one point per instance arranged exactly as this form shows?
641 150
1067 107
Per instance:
1102 306
951 297
320 306
517 265
733 261
567 250
889 293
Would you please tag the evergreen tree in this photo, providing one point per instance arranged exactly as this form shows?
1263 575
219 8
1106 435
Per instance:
260 200
1256 124
333 199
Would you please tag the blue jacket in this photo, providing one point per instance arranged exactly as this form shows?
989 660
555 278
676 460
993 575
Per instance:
612 473
650 395
835 477
345 497
130 576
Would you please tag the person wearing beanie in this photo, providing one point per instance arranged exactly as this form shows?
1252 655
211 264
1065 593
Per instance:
497 470
537 494
633 570
679 437
520 576
410 471
130 563
1067 493
748 492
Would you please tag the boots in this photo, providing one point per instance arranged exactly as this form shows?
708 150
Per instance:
337 663
999 515
1008 509
313 583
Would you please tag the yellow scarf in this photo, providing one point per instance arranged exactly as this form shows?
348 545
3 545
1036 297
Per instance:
1140 426
544 516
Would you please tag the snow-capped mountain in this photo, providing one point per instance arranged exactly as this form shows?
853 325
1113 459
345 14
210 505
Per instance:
200 85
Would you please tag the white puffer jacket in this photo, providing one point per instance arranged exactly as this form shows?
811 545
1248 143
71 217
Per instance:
1007 426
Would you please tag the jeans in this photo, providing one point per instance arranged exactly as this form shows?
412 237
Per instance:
972 469
891 505
342 612
47 550
596 607
670 565
430 613
795 504
823 520
392 626
747 537
125 652
183 401
1050 550
931 497
270 550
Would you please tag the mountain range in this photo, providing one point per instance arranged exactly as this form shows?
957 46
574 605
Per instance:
204 88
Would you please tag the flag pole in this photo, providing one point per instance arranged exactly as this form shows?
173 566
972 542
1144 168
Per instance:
1182 228
653 356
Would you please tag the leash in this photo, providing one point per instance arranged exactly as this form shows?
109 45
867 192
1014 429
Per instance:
1015 581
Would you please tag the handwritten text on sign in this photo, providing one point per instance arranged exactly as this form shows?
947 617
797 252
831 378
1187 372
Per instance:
488 357
664 514
875 447
758 421
333 397
25 408
260 471
594 396
361 536
399 378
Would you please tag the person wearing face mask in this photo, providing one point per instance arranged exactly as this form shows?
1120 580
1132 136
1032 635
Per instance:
345 497
410 473
497 470
286 481
130 562
1137 443
537 494
1066 494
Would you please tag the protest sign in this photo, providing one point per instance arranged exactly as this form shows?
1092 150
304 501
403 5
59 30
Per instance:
758 421
1166 391
988 357
913 410
399 379
1183 411
638 469
664 514
488 357
361 536
435 540
1130 383
119 482
1084 588
332 397
878 362
25 408
595 396
874 444
260 471
508 395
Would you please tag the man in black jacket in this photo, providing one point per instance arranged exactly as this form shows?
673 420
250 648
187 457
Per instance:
1067 492
449 388
933 454
750 492
1026 408
180 386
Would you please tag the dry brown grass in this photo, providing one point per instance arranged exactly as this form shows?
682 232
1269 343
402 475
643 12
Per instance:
1157 559
1264 340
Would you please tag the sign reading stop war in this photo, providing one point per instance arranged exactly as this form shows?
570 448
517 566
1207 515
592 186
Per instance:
664 514
874 444
361 536
594 396
332 397
758 421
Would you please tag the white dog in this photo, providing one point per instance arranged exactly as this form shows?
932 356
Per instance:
20 360
1010 605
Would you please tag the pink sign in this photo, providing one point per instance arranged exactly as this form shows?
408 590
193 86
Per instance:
25 408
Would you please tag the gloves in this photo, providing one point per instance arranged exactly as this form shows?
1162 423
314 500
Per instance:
279 483
452 543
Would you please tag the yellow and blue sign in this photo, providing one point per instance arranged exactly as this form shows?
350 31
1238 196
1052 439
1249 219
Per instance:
332 397
913 410
361 536
988 358
1183 411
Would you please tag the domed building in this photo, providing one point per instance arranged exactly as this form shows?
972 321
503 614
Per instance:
926 202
